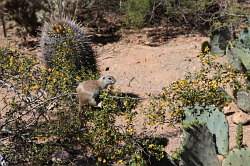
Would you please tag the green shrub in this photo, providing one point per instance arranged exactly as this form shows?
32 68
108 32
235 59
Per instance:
136 11
206 15
42 117
25 13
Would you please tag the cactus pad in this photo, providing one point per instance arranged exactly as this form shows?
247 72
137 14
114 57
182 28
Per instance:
243 101
244 38
235 60
240 53
237 157
215 121
198 147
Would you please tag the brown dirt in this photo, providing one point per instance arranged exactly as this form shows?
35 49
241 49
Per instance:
142 69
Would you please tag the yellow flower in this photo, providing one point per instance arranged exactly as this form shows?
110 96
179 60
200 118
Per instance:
78 78
182 82
35 87
151 146
11 61
120 162
214 84
130 130
206 49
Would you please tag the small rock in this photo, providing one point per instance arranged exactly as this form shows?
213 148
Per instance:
243 101
230 109
60 156
241 117
229 90
77 147
220 157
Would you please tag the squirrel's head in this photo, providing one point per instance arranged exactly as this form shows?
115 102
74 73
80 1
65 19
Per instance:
107 80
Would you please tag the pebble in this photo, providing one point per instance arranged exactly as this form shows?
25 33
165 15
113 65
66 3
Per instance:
60 156
241 117
230 109
220 158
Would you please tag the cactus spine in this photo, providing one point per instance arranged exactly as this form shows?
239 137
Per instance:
63 42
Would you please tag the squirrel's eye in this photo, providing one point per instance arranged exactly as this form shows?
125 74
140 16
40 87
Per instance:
109 78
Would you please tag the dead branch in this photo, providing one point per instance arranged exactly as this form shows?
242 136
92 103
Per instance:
3 24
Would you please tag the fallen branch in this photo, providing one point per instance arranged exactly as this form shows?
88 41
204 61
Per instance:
3 24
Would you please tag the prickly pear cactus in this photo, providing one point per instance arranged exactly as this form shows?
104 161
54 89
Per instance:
234 59
243 56
243 100
244 38
239 55
198 147
237 157
63 42
215 121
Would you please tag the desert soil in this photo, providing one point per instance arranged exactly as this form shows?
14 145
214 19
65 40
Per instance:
142 70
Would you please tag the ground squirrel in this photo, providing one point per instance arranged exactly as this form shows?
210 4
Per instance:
89 90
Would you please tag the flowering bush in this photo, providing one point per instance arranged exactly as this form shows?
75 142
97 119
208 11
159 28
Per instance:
40 118
204 87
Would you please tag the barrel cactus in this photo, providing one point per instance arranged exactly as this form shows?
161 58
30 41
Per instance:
64 43
215 121
198 146
237 157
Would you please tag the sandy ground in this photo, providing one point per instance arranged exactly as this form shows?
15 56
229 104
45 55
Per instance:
142 70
